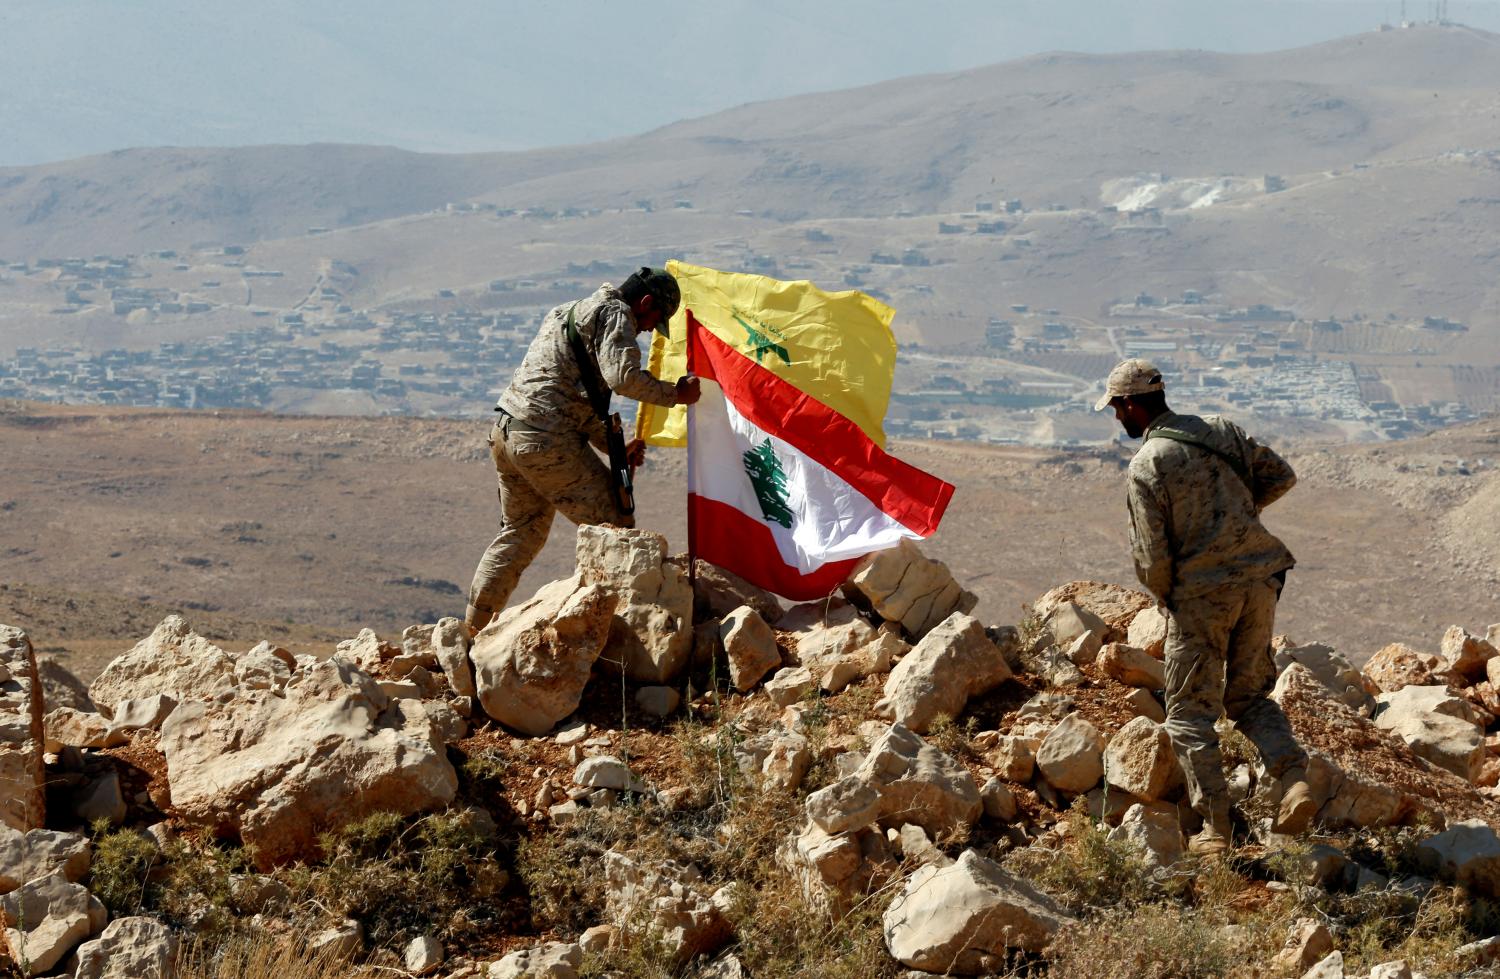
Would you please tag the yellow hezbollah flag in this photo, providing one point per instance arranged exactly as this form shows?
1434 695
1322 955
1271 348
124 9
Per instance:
836 347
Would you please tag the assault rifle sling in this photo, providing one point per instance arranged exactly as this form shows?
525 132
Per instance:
621 484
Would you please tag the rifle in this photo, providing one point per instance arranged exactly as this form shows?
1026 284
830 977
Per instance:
621 481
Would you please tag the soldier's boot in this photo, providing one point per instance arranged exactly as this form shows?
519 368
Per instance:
1297 803
1213 839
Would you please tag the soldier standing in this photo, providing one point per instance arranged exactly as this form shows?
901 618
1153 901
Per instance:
1196 490
540 441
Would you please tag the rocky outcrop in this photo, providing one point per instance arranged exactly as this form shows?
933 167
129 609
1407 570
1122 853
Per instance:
46 918
1467 853
1398 665
902 585
833 640
963 919
1115 605
130 948
173 660
40 853
919 784
1148 631
953 662
1438 725
1465 655
1345 684
532 662
276 770
651 635
665 900
22 737
1360 775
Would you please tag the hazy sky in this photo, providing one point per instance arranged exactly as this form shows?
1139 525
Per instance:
89 76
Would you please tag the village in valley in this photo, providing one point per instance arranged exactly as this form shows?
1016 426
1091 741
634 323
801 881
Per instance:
245 334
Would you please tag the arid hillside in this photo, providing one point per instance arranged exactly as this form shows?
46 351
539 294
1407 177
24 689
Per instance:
251 523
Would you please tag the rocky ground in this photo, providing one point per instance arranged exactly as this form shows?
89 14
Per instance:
633 774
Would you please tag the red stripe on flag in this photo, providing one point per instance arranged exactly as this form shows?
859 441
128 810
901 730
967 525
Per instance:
737 542
914 498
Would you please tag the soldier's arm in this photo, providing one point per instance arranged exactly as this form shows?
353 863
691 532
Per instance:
1148 537
620 362
1272 475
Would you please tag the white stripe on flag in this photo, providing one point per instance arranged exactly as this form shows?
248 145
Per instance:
831 520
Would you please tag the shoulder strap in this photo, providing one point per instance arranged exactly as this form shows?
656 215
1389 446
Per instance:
588 370
1186 439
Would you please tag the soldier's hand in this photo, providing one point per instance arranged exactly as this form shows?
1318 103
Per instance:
635 452
688 389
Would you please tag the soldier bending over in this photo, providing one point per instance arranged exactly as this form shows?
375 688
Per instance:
1196 490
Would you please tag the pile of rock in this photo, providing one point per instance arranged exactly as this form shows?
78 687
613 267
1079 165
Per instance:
272 749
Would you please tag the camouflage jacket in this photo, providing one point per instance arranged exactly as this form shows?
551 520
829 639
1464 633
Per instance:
547 392
1194 519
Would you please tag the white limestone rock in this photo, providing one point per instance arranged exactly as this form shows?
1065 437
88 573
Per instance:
902 585
1013 757
1148 631
1154 831
450 643
1140 760
66 726
846 804
278 770
1464 654
1132 667
138 947
173 660
1466 853
749 646
665 900
651 634
953 662
46 918
533 660
657 701
779 756
919 784
790 684
551 960
41 853
963 919
607 772
422 955
1144 704
999 801
22 735
144 713
1071 757
1437 725
1345 683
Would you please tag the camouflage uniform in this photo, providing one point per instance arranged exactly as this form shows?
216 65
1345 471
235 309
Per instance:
540 445
1200 548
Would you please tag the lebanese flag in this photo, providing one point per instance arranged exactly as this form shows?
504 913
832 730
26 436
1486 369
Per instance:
784 491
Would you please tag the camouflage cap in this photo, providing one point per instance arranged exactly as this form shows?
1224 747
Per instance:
660 284
1133 376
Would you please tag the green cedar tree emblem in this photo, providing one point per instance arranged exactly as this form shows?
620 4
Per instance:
769 480
761 343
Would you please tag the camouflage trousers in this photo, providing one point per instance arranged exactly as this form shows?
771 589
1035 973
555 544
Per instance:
1219 662
539 473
